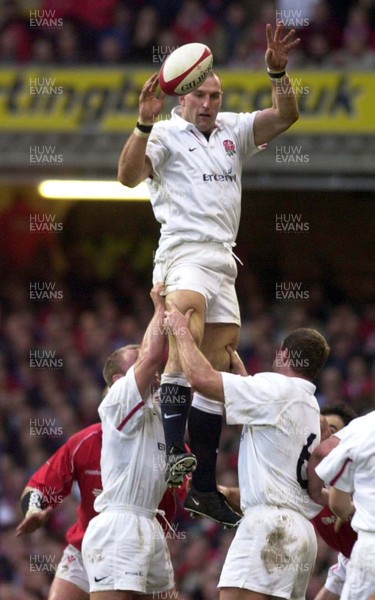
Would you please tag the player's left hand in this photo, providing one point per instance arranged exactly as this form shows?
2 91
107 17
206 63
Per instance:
175 322
33 521
278 47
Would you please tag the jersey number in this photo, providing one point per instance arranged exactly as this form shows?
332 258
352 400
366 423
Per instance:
303 460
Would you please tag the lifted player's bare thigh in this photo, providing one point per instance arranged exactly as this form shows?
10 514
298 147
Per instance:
217 336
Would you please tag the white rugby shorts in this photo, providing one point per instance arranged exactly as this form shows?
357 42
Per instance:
70 568
208 268
123 550
336 575
360 571
273 552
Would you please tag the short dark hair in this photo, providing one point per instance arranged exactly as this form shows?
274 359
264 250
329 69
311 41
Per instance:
114 364
308 351
341 409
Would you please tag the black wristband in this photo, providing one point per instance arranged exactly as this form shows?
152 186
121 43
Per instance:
34 500
278 75
144 128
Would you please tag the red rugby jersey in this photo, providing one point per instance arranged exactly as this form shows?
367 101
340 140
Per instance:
342 541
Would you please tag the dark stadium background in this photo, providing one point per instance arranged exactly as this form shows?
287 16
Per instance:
306 236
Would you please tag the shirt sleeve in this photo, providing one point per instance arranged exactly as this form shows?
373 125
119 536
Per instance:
55 478
123 406
245 134
336 468
253 400
157 150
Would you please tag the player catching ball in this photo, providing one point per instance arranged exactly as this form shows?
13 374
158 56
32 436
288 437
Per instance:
193 163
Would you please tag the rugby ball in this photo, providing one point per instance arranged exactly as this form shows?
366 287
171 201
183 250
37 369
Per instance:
185 69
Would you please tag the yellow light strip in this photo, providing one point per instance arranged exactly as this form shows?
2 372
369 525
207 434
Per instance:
92 190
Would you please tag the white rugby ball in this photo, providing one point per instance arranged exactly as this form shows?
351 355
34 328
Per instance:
185 69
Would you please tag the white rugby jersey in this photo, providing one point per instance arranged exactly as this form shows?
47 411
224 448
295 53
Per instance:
196 187
350 467
281 428
133 448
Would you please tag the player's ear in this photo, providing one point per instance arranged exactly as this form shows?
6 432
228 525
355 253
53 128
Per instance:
181 100
117 376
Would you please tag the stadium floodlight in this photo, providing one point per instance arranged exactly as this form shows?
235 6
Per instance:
60 189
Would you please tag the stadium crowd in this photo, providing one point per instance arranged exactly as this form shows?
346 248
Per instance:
56 332
335 34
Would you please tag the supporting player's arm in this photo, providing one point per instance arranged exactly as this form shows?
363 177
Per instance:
270 122
134 165
316 489
198 371
153 344
341 503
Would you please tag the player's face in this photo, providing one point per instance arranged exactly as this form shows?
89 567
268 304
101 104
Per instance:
335 422
201 106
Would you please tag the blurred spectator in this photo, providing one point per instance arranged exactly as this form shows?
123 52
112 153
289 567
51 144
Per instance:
333 34
68 44
355 53
43 50
145 35
115 41
96 14
15 37
110 49
193 23
25 233
233 28
358 388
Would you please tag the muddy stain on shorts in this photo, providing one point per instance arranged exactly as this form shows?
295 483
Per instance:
275 554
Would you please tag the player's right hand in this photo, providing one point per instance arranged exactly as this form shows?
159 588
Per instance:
33 521
151 100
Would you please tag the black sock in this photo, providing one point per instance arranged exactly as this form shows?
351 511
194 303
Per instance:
204 433
174 400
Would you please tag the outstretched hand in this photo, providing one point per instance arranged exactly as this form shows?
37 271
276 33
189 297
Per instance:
278 47
150 102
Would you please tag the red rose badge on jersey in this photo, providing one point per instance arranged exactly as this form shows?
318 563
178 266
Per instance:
230 147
